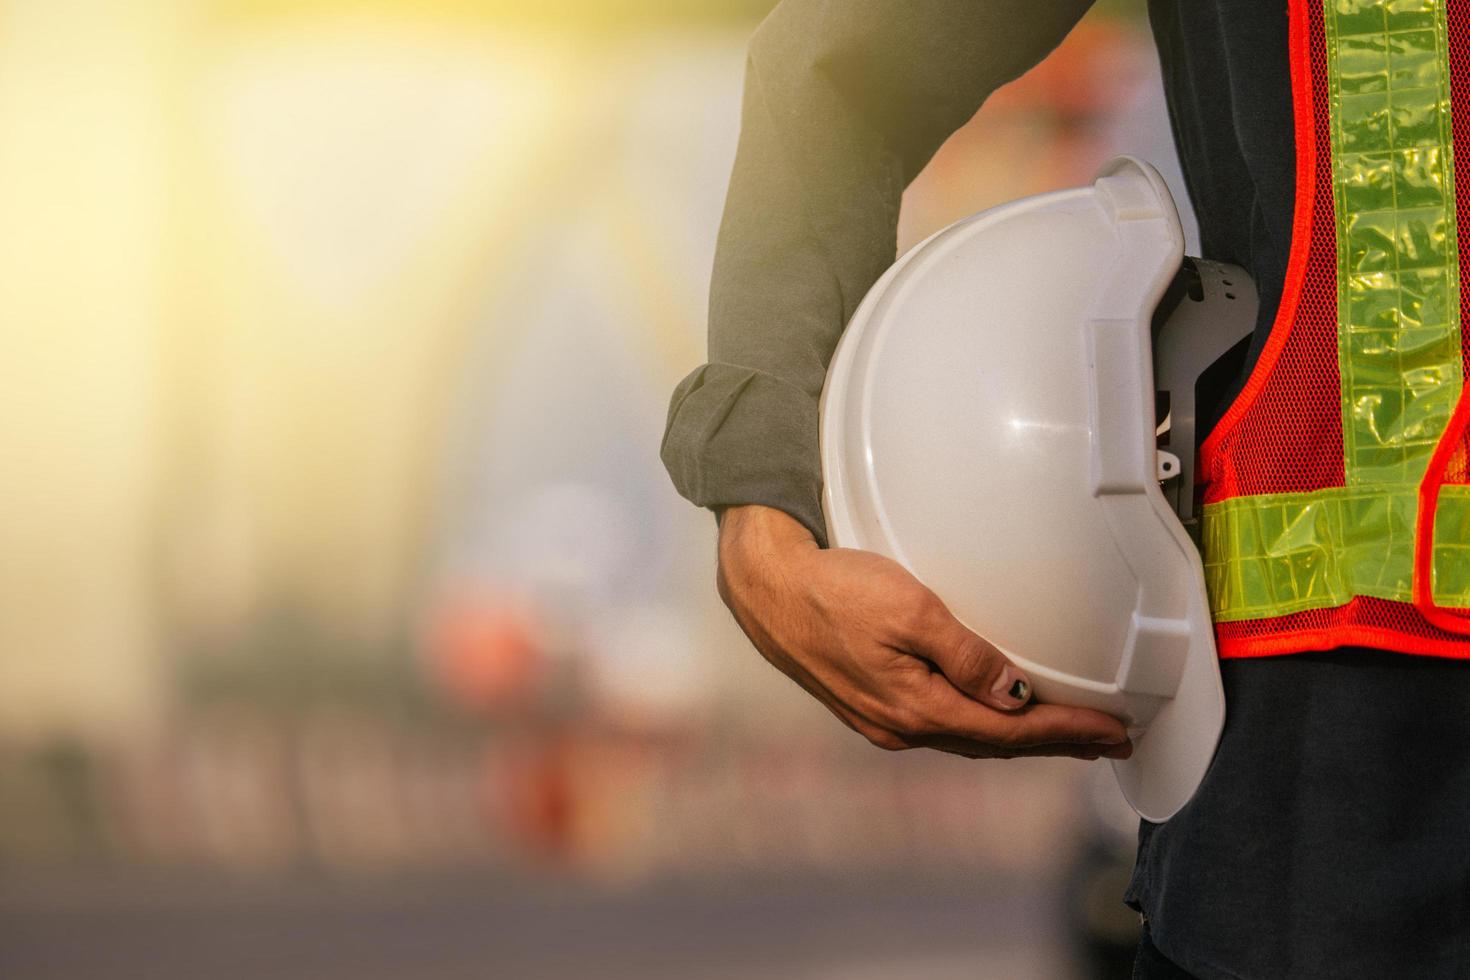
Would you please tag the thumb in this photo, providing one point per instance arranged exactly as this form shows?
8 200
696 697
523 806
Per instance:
970 662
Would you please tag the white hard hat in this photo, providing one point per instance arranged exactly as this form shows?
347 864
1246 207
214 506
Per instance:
989 421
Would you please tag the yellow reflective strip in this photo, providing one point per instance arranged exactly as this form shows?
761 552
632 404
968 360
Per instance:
1398 339
1274 554
1398 265
1280 553
1452 547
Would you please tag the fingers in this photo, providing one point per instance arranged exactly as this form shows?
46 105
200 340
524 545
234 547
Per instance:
929 712
920 707
933 714
971 663
948 712
1090 752
975 750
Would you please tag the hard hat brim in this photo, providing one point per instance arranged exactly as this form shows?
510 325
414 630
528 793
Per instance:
1171 757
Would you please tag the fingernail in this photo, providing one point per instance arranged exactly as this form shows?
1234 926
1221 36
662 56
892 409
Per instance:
1119 751
1012 687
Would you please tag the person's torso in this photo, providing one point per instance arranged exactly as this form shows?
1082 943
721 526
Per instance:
1318 143
1327 837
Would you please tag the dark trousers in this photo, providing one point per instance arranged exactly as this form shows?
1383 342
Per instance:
1150 964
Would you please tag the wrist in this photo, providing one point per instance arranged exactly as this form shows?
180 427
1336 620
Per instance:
769 528
753 536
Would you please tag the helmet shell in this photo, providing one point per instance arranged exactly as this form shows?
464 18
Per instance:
988 422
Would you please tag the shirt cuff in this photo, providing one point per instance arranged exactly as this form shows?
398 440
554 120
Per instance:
736 435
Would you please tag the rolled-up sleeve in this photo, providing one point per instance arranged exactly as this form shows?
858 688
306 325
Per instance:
845 102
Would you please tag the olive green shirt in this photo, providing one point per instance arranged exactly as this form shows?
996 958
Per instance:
845 102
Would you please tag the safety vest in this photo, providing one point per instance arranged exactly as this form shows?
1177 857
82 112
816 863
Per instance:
1336 487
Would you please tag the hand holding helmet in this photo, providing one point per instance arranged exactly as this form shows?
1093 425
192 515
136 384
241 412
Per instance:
884 654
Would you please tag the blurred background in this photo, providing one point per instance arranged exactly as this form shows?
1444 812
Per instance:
349 625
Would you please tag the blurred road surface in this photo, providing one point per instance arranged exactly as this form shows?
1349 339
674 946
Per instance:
438 928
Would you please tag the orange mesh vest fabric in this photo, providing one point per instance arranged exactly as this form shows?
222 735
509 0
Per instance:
1336 487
